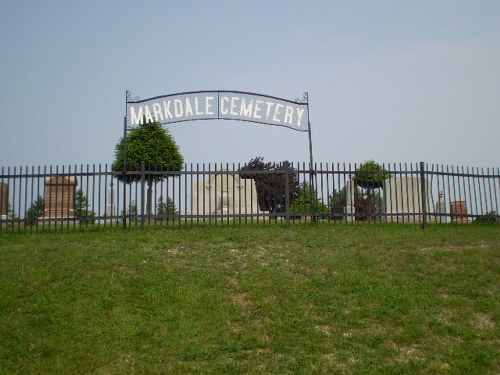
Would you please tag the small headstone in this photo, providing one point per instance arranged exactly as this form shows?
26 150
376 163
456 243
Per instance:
59 197
458 211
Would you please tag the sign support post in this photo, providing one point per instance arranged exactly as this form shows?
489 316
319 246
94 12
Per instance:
311 163
127 95
124 172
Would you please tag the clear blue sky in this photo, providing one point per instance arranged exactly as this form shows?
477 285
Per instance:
395 81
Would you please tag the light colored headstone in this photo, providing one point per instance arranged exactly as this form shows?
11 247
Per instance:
349 209
225 194
59 197
110 202
403 199
440 209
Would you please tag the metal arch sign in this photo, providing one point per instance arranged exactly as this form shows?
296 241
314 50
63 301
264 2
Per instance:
225 105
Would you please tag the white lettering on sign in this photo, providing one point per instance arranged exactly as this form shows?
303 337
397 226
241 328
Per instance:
136 118
300 112
197 107
246 109
222 105
268 111
234 103
208 105
157 112
178 108
166 107
189 109
288 115
147 115
258 108
276 116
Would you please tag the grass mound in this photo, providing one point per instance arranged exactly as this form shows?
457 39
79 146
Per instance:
256 299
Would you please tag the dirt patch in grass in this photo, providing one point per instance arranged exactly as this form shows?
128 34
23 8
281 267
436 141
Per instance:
130 271
483 322
232 281
241 299
407 354
455 247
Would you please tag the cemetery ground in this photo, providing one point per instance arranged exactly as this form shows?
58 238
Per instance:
318 298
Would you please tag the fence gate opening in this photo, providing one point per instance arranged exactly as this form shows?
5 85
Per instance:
220 105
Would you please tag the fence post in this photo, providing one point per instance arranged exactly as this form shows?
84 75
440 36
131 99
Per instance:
124 216
143 186
287 194
424 195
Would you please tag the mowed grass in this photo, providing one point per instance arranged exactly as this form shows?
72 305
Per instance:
316 299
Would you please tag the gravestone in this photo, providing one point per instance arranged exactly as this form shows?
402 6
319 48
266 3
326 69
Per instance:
349 209
59 197
110 202
4 201
440 209
458 211
225 194
403 199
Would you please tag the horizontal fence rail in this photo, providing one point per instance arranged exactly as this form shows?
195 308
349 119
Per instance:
34 198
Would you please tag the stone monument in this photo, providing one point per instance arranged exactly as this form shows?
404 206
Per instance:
440 209
350 209
403 199
458 211
110 202
4 201
59 197
225 194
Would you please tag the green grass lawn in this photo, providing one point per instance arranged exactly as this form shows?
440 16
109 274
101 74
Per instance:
325 299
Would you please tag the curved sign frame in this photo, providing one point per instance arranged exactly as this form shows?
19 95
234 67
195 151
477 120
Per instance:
219 105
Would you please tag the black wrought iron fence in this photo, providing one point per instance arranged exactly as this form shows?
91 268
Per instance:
34 198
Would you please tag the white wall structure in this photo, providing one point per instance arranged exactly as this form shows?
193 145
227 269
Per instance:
225 194
403 200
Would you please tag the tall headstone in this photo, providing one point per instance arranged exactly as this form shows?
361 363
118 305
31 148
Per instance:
4 200
110 202
225 194
349 209
440 209
59 197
